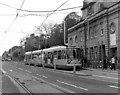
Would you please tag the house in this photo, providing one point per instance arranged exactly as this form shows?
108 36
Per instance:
98 35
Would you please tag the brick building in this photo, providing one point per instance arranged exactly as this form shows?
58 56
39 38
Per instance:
98 35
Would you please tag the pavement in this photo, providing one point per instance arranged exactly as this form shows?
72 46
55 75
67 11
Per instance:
100 69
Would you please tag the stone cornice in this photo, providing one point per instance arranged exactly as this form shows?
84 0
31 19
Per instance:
96 16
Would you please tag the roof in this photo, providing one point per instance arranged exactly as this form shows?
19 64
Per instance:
27 53
36 51
54 48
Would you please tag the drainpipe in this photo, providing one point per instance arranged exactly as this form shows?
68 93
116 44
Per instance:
84 39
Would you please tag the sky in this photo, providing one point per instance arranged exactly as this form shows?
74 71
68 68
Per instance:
11 34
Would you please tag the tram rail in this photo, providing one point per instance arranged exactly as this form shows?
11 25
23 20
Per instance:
19 83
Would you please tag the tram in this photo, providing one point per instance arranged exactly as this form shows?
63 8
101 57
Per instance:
55 57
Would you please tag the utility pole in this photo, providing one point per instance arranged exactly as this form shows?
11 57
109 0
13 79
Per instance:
118 47
86 23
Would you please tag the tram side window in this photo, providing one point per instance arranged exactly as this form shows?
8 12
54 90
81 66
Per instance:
34 56
74 54
59 54
63 55
49 54
55 54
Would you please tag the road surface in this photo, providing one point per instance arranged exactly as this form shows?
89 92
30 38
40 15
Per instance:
82 82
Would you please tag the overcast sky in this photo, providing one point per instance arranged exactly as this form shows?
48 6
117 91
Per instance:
25 24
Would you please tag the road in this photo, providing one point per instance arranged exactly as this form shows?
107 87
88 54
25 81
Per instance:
84 82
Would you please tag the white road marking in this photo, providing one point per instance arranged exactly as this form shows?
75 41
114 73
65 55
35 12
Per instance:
71 74
38 75
105 77
114 86
83 74
59 71
64 89
42 76
3 71
72 85
28 71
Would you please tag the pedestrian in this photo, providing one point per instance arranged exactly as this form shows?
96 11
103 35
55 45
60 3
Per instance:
113 60
105 63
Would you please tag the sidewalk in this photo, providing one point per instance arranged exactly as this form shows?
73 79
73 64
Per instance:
97 74
101 69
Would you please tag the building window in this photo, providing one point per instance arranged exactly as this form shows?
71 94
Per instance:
76 39
95 30
87 50
90 10
91 32
87 32
91 53
71 41
112 27
81 35
101 28
102 6
96 52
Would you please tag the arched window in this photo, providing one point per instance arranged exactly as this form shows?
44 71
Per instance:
112 27
76 39
71 41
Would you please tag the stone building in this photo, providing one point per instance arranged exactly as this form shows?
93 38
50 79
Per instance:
98 35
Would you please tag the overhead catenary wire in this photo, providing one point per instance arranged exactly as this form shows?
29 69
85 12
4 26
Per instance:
53 12
8 6
70 8
12 21
15 17
23 15
38 28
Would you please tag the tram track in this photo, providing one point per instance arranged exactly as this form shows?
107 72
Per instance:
21 84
